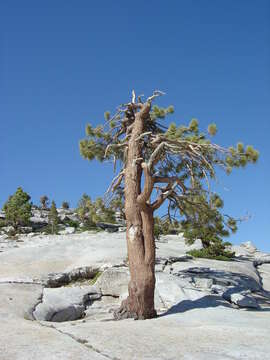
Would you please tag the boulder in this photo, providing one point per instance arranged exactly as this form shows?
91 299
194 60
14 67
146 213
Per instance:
218 289
249 247
241 298
65 303
203 283
173 290
25 229
108 227
264 270
73 217
3 237
38 222
68 230
113 281
7 229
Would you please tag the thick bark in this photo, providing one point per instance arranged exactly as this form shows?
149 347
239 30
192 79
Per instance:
140 233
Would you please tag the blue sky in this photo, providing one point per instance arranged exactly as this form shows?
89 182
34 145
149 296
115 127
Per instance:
63 63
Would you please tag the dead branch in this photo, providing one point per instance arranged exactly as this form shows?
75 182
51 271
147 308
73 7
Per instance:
133 99
143 135
116 182
162 197
114 145
154 157
156 93
169 179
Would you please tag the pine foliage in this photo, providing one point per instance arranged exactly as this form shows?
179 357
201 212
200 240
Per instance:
53 218
182 157
18 209
92 212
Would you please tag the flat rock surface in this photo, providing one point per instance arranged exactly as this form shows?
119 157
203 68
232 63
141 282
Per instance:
201 333
41 255
195 322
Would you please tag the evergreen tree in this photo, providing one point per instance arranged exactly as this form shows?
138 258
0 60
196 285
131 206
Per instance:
91 213
84 207
103 213
53 218
159 164
44 201
117 203
65 205
18 209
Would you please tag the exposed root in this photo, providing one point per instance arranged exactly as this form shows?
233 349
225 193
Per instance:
126 312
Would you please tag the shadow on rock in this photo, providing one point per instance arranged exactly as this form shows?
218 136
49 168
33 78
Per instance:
202 303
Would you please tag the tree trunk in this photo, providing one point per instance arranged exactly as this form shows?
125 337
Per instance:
140 235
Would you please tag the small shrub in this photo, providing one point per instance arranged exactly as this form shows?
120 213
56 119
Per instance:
12 234
165 227
2 223
94 280
87 226
71 223
48 229
210 253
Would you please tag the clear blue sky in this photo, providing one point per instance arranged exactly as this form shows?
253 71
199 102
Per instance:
63 63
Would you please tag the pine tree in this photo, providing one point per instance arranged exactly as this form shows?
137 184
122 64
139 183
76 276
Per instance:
53 218
84 207
65 205
157 165
44 201
18 209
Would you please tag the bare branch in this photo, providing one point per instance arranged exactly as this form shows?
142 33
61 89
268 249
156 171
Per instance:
156 93
140 98
133 100
169 180
116 182
114 145
162 197
154 157
142 135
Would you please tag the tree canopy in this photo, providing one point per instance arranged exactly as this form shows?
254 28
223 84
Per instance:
18 209
179 163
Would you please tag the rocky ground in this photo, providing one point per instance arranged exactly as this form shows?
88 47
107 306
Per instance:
57 295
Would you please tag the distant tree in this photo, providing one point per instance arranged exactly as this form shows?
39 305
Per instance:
44 201
91 213
18 209
161 164
102 213
117 203
53 218
166 226
65 205
84 206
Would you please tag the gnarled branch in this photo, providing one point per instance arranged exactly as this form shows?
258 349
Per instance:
116 182
163 196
